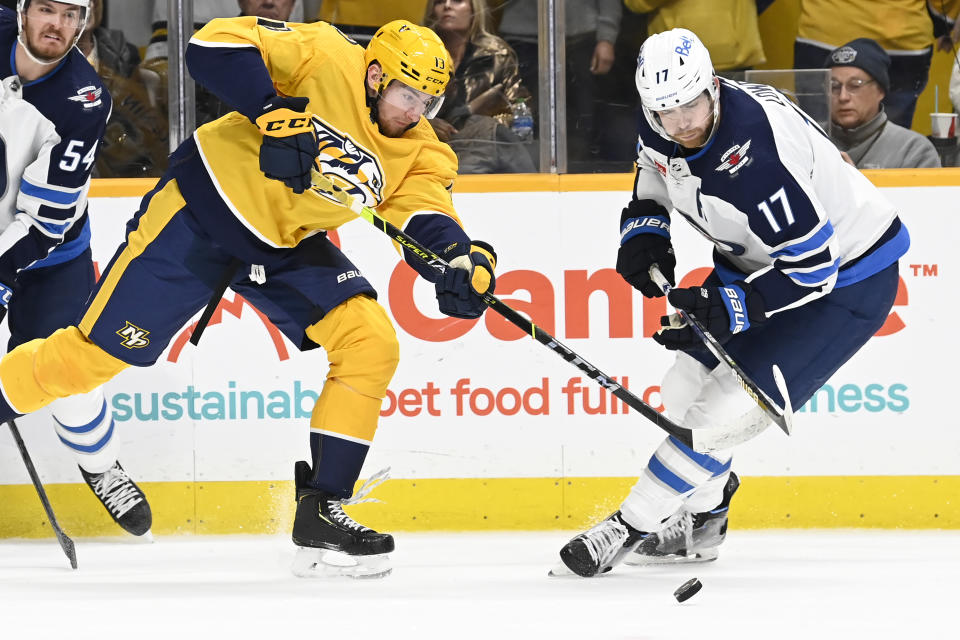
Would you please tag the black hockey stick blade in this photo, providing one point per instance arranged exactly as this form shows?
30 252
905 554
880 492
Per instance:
65 542
428 257
782 417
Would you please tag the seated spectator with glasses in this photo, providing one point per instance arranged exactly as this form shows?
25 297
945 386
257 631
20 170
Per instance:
860 78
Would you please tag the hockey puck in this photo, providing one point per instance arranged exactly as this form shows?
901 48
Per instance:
687 590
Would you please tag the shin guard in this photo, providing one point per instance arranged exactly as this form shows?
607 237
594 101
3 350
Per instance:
362 347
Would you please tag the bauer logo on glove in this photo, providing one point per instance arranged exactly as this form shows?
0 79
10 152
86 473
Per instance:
724 311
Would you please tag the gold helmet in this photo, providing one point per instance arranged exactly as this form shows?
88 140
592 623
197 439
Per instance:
413 55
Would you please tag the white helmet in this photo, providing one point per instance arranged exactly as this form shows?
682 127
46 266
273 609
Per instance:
84 17
674 68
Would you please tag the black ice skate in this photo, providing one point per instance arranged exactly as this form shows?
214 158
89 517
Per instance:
600 548
331 542
690 537
122 499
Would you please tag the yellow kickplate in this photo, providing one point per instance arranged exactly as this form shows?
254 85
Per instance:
498 504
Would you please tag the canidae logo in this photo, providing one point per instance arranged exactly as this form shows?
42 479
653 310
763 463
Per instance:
538 299
133 336
571 306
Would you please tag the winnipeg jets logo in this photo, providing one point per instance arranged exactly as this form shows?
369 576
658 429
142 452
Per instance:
88 96
133 336
735 158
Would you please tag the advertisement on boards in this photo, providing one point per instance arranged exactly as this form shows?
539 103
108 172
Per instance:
482 399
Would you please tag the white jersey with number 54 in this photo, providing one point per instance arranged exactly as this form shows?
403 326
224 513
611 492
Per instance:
26 138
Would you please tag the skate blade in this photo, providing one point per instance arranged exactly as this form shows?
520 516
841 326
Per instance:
323 563
642 560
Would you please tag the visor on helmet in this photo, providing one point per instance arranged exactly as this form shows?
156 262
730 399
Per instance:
411 100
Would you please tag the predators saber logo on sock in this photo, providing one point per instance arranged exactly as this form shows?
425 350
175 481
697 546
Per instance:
133 336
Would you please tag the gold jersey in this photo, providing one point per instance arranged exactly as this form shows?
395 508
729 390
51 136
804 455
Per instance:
399 177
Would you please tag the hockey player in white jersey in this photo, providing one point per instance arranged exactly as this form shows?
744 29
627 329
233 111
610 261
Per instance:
53 111
805 272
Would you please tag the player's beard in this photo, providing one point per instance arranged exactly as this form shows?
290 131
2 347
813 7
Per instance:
46 50
394 128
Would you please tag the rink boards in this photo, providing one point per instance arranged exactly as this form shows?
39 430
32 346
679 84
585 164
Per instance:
484 428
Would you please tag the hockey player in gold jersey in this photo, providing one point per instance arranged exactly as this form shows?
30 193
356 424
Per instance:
239 192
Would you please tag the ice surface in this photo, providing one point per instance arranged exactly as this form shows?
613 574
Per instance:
769 585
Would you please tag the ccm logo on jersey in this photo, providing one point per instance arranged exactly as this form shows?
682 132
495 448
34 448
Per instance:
133 336
88 96
735 158
346 275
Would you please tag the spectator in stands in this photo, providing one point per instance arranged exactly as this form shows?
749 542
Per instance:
360 19
591 32
154 66
475 116
946 27
860 78
135 143
955 84
728 28
902 27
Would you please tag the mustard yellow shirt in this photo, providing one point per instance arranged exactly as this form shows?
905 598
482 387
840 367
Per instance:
729 30
899 26
372 14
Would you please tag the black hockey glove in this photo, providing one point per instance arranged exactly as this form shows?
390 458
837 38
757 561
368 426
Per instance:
289 145
645 241
459 290
724 311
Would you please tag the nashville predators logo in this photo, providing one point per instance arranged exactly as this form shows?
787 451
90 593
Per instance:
133 336
348 165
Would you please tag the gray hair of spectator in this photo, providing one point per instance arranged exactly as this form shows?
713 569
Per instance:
479 24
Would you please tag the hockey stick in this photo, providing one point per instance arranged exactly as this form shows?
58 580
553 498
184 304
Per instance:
214 301
783 417
702 440
65 542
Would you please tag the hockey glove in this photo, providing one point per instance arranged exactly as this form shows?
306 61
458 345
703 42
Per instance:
645 241
723 311
289 145
459 289
6 294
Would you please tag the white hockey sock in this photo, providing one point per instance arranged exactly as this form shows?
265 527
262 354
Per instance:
84 423
673 474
